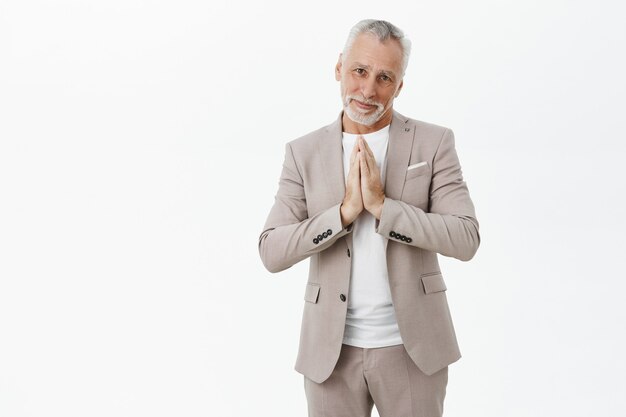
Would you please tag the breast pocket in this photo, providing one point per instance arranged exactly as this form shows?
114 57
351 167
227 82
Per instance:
416 170
417 185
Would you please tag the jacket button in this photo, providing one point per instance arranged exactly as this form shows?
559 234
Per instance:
315 241
330 232
320 237
403 238
324 235
342 297
409 240
392 234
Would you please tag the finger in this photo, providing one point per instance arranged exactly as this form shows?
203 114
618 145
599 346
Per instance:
369 156
371 160
360 141
367 148
355 165
355 169
356 151
353 155
364 166
362 147
366 145
371 163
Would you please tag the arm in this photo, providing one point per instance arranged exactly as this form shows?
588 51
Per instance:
289 234
450 227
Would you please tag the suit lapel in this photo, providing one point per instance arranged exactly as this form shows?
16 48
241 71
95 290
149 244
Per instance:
398 155
331 151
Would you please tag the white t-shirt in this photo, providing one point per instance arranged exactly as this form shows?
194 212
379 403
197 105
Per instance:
371 318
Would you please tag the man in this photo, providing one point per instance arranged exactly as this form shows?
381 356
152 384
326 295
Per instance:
371 199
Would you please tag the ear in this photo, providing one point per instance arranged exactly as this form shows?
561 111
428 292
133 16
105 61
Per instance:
399 88
338 69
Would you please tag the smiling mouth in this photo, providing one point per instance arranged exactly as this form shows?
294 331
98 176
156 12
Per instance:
363 105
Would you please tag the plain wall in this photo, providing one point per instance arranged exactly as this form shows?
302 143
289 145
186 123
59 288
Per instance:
140 149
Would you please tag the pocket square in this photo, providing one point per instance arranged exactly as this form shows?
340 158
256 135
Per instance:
419 164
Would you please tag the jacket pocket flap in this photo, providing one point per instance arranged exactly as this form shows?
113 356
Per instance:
433 283
311 293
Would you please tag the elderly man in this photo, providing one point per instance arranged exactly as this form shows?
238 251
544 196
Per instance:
371 199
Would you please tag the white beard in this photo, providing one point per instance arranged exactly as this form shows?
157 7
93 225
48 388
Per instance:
366 120
358 117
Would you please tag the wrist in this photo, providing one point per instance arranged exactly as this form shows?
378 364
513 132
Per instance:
347 215
377 211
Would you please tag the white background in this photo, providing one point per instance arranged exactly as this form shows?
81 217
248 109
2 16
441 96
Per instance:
141 146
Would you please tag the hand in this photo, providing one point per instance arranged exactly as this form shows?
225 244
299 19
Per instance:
371 187
352 204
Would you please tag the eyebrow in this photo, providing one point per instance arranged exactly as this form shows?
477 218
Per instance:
389 73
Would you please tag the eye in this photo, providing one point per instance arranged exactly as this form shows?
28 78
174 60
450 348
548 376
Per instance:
360 71
385 78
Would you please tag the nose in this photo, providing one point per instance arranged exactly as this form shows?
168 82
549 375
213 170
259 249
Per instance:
368 87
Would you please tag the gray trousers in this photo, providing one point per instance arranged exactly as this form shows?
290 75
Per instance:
386 377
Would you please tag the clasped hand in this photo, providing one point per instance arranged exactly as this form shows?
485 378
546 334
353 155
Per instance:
364 190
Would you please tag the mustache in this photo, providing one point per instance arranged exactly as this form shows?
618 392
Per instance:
364 101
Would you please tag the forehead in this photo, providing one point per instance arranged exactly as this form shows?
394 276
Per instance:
368 50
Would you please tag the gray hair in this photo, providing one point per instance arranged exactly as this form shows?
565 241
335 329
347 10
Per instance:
383 30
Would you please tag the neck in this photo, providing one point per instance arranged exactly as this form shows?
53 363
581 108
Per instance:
350 126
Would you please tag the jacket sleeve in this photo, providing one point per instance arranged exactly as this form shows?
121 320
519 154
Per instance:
289 234
450 227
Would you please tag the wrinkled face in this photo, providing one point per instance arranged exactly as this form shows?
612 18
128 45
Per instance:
370 78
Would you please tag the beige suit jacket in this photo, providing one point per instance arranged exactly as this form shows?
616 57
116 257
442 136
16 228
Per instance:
427 210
